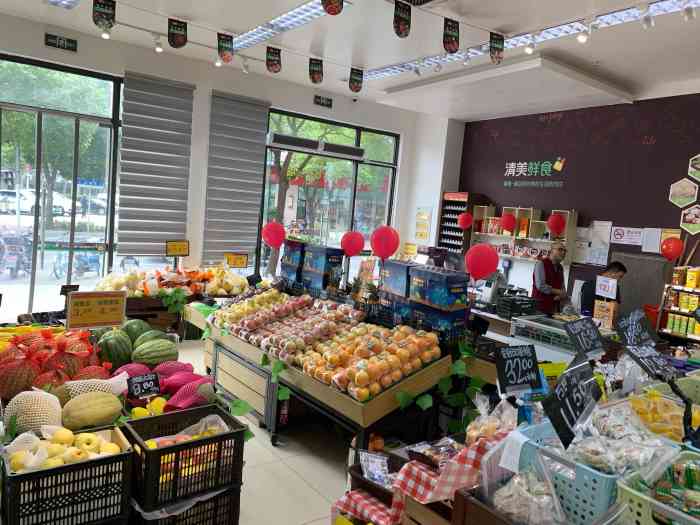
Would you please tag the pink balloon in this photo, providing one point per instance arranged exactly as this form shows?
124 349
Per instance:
481 261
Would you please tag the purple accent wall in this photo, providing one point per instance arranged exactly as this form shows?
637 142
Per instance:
620 160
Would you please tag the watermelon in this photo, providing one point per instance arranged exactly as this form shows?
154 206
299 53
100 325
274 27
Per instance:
135 327
151 335
115 348
121 334
99 332
155 352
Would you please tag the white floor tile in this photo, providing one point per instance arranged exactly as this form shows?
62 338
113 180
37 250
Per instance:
323 521
326 474
193 352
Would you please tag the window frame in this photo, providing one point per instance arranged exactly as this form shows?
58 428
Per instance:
359 130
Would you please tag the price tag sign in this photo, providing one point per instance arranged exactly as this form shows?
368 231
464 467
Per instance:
573 399
653 363
517 369
177 248
143 386
95 309
586 338
606 287
634 329
68 288
236 260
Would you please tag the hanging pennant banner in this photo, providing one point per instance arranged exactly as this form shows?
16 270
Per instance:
104 13
273 59
316 70
497 44
450 36
402 19
225 47
356 78
332 7
177 33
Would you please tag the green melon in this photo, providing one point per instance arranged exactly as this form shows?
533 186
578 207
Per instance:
154 352
117 332
135 327
151 335
115 347
97 333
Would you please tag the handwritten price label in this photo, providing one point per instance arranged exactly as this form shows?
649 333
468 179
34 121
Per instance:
95 309
177 248
236 260
517 369
146 385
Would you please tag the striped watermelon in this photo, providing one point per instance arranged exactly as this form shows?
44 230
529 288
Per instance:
115 348
151 335
135 327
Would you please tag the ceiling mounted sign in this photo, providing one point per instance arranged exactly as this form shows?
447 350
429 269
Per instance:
402 19
496 46
356 78
332 7
177 33
316 70
273 59
450 36
225 44
104 13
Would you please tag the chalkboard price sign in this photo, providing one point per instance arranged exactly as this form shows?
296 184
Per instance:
517 369
585 336
68 288
634 329
143 386
653 363
573 399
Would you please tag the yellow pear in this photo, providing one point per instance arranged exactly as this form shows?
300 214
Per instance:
88 442
63 436
18 459
53 463
55 449
109 448
75 455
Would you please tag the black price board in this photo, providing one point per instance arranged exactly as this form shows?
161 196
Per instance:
585 336
517 369
573 399
652 362
68 288
143 386
635 330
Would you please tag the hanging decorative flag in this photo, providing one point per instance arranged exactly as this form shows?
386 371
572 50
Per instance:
496 46
273 59
104 13
177 33
316 70
332 7
225 47
356 77
402 19
450 36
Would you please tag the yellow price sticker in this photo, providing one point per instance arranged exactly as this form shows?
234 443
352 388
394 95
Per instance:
177 248
421 236
236 260
95 309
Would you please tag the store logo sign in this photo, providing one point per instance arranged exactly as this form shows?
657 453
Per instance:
528 171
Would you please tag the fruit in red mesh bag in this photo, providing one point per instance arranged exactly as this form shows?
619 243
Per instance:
93 372
17 375
188 396
133 369
11 352
169 368
42 348
52 378
60 359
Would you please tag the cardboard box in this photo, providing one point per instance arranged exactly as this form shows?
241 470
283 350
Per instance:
606 313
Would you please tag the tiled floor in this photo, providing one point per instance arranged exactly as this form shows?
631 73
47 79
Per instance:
291 484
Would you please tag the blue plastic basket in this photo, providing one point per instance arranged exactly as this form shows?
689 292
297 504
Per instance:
586 497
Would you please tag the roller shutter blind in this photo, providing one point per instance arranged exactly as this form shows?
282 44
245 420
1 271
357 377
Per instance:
235 176
155 164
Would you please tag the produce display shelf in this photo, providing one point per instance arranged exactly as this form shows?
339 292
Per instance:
683 288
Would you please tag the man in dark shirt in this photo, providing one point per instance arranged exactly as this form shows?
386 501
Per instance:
614 270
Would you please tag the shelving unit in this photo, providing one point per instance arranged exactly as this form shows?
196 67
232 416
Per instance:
450 236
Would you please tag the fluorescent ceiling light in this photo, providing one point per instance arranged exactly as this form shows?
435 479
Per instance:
293 19
65 4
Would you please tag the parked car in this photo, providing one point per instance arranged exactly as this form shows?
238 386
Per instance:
62 205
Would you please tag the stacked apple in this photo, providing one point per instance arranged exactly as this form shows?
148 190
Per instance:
235 313
65 448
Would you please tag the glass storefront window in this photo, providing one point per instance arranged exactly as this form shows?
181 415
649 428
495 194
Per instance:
378 147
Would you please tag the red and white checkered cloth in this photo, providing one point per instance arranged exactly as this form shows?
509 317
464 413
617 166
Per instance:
361 505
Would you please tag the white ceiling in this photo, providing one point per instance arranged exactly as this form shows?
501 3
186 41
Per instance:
626 56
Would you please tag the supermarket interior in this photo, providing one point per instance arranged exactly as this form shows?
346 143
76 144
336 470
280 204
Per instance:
349 262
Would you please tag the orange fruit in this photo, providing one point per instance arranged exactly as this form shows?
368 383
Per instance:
398 335
375 389
416 363
426 357
435 352
403 355
384 367
397 375
413 349
373 371
351 374
407 369
386 380
362 378
394 362
362 394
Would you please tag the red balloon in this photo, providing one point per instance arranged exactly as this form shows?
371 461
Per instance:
508 222
481 261
672 248
556 224
465 220
273 234
384 241
352 243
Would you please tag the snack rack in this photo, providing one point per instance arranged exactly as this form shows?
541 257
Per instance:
450 235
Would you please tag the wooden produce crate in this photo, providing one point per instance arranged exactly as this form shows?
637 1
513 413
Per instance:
468 510
482 369
192 316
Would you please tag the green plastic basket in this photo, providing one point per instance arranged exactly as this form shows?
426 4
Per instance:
690 385
641 508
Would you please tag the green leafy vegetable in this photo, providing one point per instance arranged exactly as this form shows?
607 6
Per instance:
425 401
404 398
459 368
174 299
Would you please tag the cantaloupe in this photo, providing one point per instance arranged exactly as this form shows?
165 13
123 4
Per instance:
89 410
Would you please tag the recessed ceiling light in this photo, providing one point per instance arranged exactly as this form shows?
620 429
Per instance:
65 4
106 34
157 46
583 36
218 62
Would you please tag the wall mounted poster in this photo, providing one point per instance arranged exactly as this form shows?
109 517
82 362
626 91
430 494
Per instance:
177 33
450 35
225 44
273 59
316 70
402 19
356 78
496 46
104 13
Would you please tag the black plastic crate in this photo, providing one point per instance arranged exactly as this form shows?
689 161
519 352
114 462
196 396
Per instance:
222 509
92 492
515 306
178 472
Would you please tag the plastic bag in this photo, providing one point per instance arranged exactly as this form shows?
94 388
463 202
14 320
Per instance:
375 467
503 418
206 427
